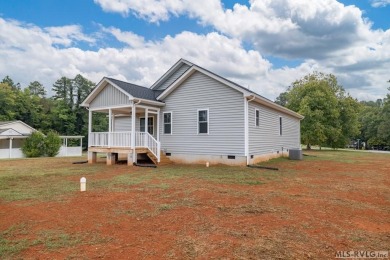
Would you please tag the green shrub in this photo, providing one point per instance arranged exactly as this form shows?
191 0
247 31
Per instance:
34 145
52 144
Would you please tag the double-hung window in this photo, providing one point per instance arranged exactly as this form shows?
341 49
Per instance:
280 125
203 121
167 122
257 117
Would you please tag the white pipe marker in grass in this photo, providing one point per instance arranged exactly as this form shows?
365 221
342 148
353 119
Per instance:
83 184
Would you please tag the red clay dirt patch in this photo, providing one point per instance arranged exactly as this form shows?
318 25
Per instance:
309 209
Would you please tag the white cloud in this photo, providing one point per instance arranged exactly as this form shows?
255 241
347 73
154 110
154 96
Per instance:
285 28
380 3
129 38
325 34
295 28
66 35
152 10
30 53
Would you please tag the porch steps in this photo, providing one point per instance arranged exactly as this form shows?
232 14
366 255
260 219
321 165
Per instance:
164 160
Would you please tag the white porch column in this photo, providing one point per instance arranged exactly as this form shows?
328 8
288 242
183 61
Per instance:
158 125
146 127
66 146
89 121
89 127
246 131
113 122
109 126
133 115
158 136
10 147
81 146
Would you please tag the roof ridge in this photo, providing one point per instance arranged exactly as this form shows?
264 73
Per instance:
135 85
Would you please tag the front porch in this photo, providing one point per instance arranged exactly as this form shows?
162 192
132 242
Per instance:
132 129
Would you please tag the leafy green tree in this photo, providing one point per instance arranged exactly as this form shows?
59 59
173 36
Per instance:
282 99
82 87
52 143
7 80
68 116
62 118
7 102
384 125
330 114
37 89
370 118
34 145
29 108
63 90
349 121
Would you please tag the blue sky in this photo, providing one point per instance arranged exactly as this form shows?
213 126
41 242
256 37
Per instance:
262 44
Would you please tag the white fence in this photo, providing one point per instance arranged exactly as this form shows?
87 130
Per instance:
11 153
64 151
70 151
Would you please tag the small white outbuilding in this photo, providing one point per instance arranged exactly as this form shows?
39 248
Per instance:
13 134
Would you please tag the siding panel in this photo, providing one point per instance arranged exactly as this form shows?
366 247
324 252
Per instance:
174 77
123 123
226 118
110 96
265 138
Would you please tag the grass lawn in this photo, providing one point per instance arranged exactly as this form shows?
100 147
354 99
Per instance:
330 201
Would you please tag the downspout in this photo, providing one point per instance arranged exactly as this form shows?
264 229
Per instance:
246 119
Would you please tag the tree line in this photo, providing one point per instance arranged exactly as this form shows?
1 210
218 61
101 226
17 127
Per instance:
61 112
333 118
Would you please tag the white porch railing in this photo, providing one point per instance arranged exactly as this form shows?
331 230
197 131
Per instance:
113 139
143 139
123 140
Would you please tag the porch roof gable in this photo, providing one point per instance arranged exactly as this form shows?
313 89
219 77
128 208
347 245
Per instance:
132 91
9 132
170 72
14 124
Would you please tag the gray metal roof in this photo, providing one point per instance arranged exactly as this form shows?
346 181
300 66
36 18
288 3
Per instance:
135 90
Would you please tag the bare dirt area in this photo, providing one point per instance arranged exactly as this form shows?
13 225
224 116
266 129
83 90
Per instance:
309 209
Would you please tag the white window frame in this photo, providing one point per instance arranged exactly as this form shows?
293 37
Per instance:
208 121
140 125
280 126
163 123
257 119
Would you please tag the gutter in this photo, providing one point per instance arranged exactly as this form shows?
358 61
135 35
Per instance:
268 103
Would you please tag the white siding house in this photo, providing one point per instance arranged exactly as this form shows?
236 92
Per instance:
194 116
